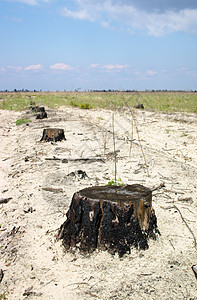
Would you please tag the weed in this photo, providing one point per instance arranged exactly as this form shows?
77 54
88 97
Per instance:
184 134
116 182
85 106
167 131
73 104
22 121
3 296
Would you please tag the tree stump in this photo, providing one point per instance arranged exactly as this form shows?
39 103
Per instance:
53 135
112 218
42 115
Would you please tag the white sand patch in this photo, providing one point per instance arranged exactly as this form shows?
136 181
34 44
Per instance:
35 265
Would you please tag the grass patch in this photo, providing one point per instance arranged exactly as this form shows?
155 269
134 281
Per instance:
22 121
153 101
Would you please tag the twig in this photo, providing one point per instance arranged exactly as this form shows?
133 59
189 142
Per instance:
145 274
171 244
169 207
66 159
131 144
114 142
141 147
91 294
164 177
77 283
183 219
134 123
187 199
53 190
161 185
48 282
112 153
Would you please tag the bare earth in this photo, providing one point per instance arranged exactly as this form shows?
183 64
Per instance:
35 265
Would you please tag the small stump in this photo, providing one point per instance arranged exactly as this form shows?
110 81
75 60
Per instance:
112 218
53 135
42 115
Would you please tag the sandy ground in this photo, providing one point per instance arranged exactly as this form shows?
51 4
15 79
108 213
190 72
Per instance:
35 265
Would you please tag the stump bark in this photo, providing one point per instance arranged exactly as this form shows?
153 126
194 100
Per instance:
112 218
53 134
42 115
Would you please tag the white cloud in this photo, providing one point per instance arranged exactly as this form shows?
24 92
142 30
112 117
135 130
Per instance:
114 67
14 68
28 2
33 67
145 74
2 70
60 66
150 73
128 15
80 15
94 65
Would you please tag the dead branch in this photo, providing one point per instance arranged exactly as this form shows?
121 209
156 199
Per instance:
183 219
66 159
53 190
171 244
187 199
139 140
114 143
91 294
77 283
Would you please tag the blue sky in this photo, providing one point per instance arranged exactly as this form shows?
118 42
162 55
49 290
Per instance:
105 44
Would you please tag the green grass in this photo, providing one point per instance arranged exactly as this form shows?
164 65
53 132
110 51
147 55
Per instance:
22 121
153 101
118 182
3 296
85 106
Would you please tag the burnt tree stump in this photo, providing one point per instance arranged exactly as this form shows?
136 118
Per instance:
112 218
42 115
53 135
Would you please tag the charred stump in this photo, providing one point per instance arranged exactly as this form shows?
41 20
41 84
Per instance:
53 135
40 110
42 115
112 218
139 106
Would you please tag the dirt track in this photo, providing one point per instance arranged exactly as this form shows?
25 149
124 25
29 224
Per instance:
35 265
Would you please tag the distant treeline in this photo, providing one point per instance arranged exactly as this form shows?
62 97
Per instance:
96 91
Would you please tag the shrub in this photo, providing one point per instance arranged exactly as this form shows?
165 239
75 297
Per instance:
85 106
73 104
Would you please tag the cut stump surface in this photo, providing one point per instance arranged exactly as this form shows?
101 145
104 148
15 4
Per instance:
53 135
112 218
